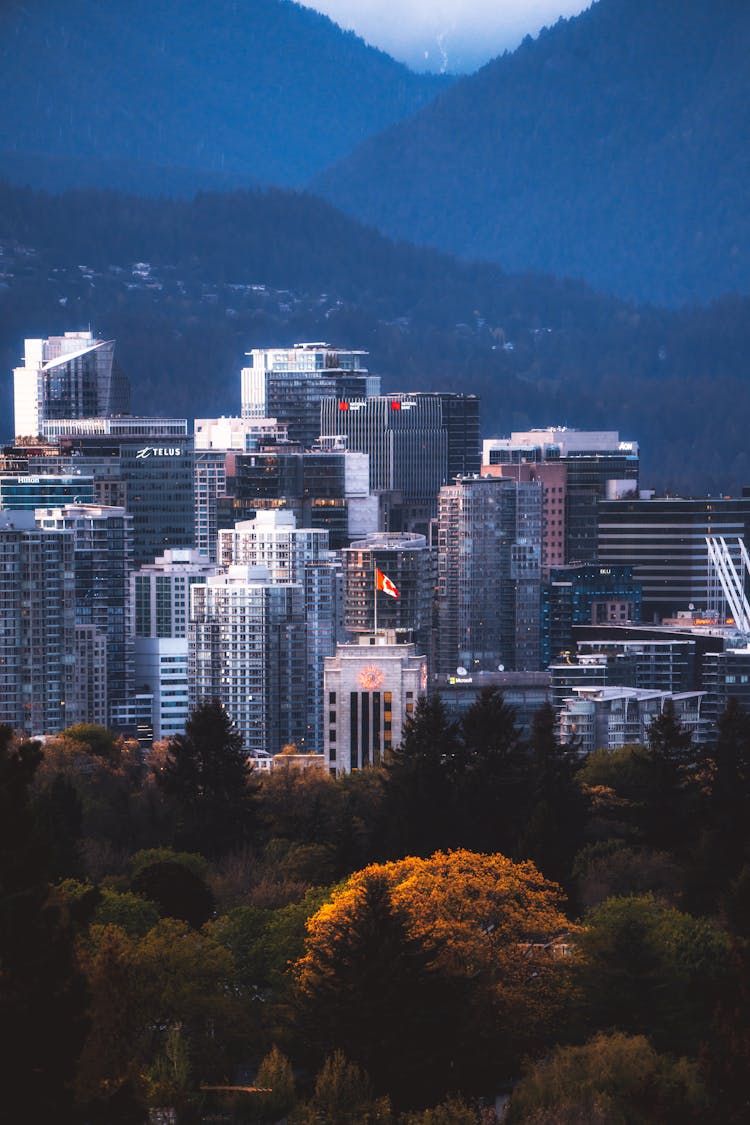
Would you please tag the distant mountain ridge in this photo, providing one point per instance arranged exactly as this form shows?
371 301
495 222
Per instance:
187 287
614 148
175 95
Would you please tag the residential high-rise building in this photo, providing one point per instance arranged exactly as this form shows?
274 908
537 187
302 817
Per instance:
247 648
37 626
160 619
489 575
598 466
410 564
70 376
370 689
290 383
102 561
416 443
299 555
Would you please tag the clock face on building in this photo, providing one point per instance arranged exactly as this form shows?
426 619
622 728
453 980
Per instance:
370 677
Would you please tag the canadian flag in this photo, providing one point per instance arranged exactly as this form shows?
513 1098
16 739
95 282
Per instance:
383 582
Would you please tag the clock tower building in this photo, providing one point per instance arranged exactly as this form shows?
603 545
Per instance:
370 688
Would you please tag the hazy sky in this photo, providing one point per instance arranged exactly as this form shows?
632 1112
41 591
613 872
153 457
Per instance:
446 34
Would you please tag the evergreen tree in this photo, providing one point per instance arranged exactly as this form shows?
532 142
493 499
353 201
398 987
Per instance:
419 782
670 811
553 834
495 785
374 990
207 775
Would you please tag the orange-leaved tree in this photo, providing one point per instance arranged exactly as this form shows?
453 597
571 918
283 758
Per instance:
491 929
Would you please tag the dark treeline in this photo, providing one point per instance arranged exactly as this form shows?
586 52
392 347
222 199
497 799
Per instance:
364 948
244 269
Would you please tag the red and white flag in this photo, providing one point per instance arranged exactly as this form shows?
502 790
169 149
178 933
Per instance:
383 582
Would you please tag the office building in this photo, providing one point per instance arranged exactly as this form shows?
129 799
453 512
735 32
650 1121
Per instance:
328 489
25 492
160 619
411 565
664 540
102 561
146 463
370 689
489 576
585 595
525 692
37 626
416 443
247 648
289 384
726 675
598 466
70 376
216 439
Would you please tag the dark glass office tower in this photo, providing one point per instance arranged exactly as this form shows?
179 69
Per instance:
585 595
416 444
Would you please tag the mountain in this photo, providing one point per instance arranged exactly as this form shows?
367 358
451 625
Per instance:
165 95
187 287
615 148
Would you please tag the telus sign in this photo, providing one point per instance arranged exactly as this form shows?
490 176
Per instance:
158 451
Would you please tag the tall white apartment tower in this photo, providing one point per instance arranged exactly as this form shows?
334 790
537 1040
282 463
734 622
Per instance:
160 621
67 377
247 648
300 555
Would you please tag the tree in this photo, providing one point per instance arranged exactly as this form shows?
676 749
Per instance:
419 782
207 775
554 829
343 1096
176 890
494 786
375 988
611 1079
42 994
489 925
275 1075
649 969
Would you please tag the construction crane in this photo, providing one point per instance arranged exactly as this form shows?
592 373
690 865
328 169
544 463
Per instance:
722 566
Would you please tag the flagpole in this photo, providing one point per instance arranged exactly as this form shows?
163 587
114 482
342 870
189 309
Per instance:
375 596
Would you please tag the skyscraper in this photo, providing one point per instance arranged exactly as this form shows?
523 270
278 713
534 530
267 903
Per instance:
247 648
102 561
37 626
70 376
416 444
299 555
598 466
489 573
289 384
160 609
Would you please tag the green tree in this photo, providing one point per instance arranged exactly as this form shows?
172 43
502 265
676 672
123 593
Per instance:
207 775
343 1096
649 969
176 890
42 995
275 1075
614 1079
